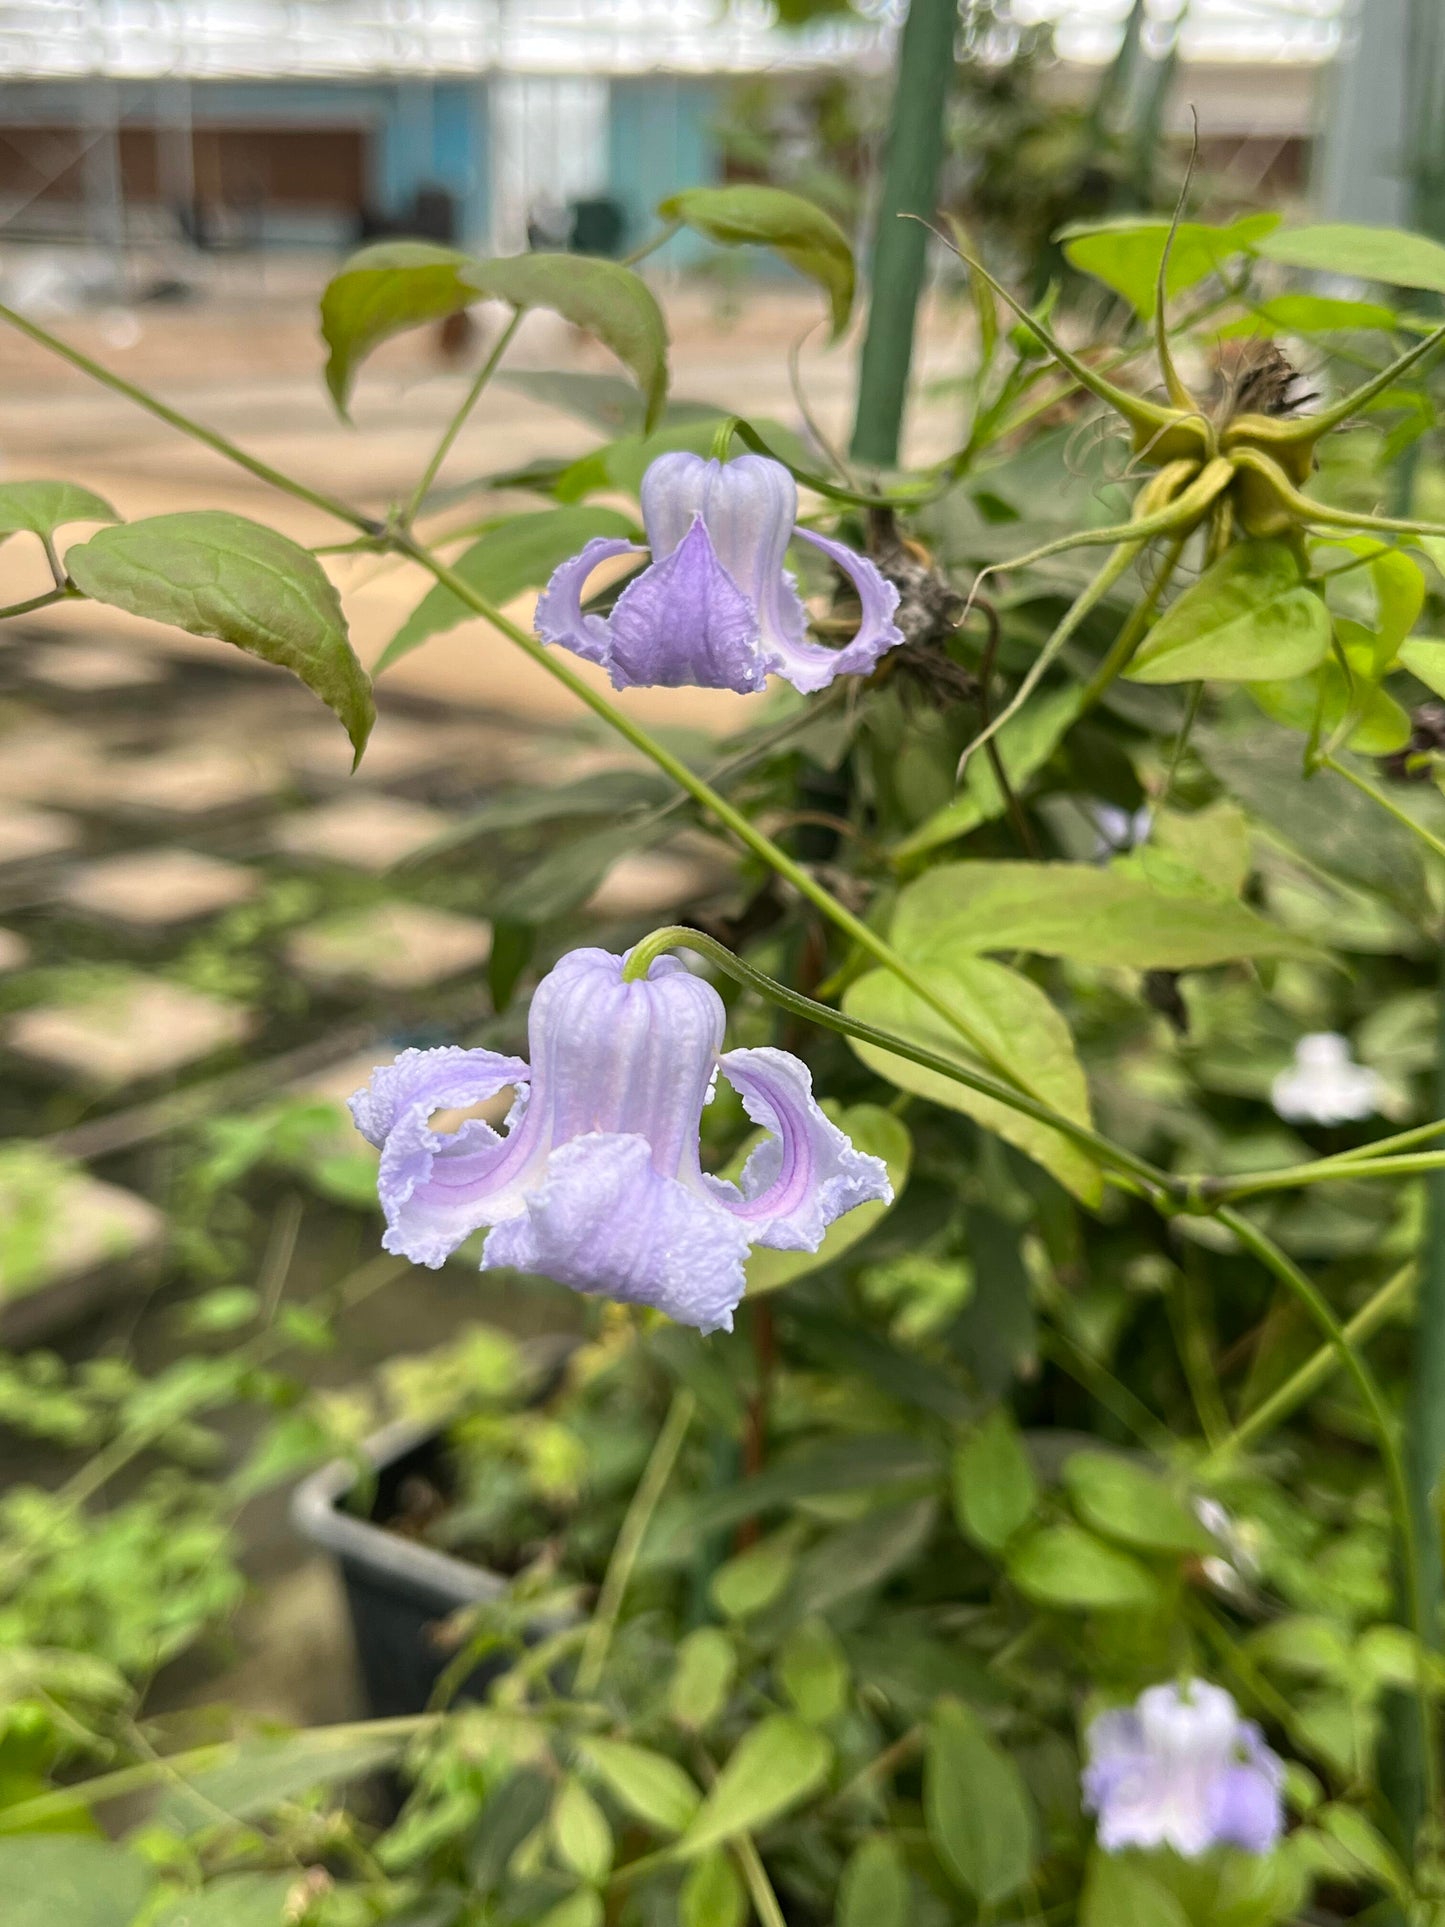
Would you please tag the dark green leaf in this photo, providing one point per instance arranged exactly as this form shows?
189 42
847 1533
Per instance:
564 879
1388 255
874 1889
980 1819
603 298
1251 617
770 217
862 1464
40 508
512 946
263 1774
775 1764
1025 744
65 1880
235 1900
1068 1567
381 292
994 1488
1124 1893
1126 1502
813 1672
512 1813
1125 253
216 574
859 1556
515 553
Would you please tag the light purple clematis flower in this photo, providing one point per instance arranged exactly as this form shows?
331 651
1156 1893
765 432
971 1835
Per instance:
716 608
1181 1769
596 1182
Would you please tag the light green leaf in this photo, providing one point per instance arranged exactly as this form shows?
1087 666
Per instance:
382 291
713 1894
263 1774
770 217
1251 617
1326 697
235 1900
648 1784
603 298
874 1889
1213 842
1309 314
1125 253
1068 1567
1388 255
1025 743
702 1678
994 1488
752 1580
580 1833
1118 916
216 574
813 1672
40 508
65 1880
583 1908
776 1763
1123 1501
1016 1019
1424 657
1124 1893
980 1819
517 552
881 1135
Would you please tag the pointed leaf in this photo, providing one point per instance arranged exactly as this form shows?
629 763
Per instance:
1125 253
774 1765
994 1488
580 1833
1126 1502
648 1784
1020 1024
770 217
1381 254
980 1819
601 297
713 1894
1309 314
1251 617
216 574
516 553
382 291
42 507
1025 743
874 1889
1068 1567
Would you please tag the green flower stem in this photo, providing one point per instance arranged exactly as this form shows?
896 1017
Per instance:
1112 1157
746 832
760 1888
652 244
1315 1371
1121 654
263 471
1381 1423
650 1488
454 426
1377 795
39 602
1332 1170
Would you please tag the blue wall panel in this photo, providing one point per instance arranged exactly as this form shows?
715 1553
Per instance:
661 137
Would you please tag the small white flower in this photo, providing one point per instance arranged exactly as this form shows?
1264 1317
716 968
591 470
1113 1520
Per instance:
1325 1085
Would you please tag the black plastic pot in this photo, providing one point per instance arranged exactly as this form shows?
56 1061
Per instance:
398 1592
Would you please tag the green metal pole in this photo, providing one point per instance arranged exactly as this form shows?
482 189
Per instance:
910 179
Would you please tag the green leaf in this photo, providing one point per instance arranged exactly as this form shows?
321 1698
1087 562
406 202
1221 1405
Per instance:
1251 617
40 508
713 1894
216 574
775 1764
1125 253
860 1556
648 1784
603 298
263 1774
1118 916
235 1900
1388 255
1309 314
1016 1019
580 1833
65 1880
583 1908
1068 1567
702 1678
1122 1892
515 553
1025 743
1213 842
770 217
1424 657
980 1819
381 292
994 1488
753 1579
813 1671
874 1889
1325 698
1125 1502
881 1135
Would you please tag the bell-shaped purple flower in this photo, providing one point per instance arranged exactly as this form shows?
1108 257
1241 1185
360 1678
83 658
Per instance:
716 608
1181 1769
596 1182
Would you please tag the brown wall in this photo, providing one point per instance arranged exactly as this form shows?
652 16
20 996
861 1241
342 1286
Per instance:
234 166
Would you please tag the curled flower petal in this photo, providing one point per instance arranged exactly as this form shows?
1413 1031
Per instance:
685 621
560 618
807 1173
1246 1801
809 666
435 1187
605 1222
